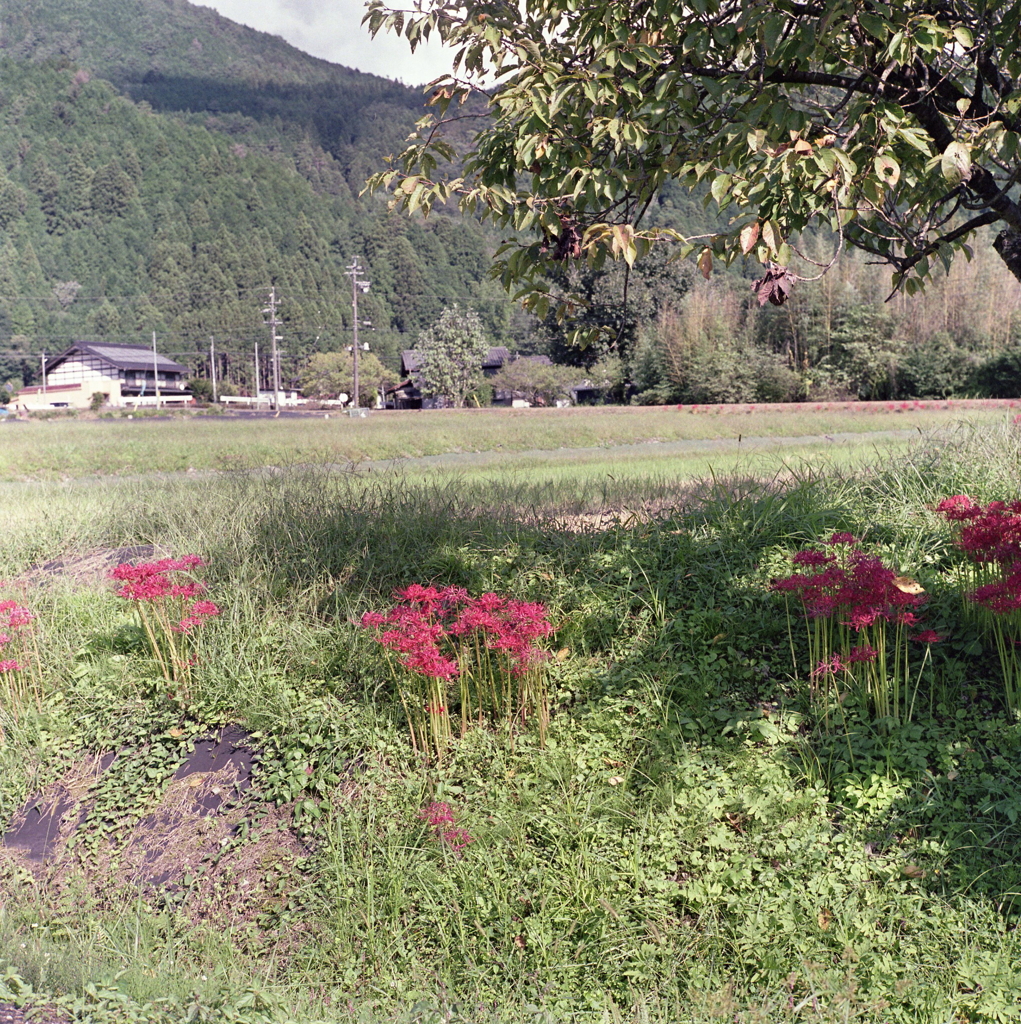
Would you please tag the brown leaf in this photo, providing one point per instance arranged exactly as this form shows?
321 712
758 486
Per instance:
774 286
825 918
705 263
749 236
568 242
906 585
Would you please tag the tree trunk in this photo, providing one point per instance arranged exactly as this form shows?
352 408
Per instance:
1008 245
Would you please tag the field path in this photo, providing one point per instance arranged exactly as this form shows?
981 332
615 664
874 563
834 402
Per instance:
644 449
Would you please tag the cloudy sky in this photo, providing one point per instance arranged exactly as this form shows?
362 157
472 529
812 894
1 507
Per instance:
332 29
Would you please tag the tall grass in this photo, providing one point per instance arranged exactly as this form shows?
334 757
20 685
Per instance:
688 845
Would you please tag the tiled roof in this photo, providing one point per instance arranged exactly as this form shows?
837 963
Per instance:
124 357
411 361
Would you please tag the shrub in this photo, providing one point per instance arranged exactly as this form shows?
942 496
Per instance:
1000 375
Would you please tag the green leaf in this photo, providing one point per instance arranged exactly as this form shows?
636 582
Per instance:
720 186
771 32
956 162
876 27
888 170
963 35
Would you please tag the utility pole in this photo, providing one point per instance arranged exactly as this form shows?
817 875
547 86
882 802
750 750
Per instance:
42 359
155 371
258 386
358 284
212 365
273 323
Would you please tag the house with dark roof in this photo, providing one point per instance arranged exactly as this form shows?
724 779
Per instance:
124 374
408 393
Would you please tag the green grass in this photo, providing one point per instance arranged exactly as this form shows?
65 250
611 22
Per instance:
693 844
66 448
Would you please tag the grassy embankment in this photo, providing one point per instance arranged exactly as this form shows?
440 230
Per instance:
706 836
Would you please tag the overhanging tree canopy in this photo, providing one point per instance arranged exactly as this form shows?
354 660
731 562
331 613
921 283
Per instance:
897 124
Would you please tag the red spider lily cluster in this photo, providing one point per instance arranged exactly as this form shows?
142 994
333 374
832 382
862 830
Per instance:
860 611
170 603
488 644
440 818
990 535
15 620
853 587
429 621
156 582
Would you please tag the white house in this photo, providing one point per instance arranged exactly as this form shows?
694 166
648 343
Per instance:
124 374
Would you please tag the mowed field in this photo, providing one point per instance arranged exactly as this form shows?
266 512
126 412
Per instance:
56 449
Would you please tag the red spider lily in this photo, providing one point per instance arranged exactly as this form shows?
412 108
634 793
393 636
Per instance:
829 666
441 634
437 814
440 817
849 599
862 590
14 616
16 619
161 591
862 653
431 619
990 535
928 636
20 675
812 557
959 508
841 539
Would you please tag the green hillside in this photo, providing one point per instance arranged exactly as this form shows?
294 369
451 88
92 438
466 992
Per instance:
181 57
120 216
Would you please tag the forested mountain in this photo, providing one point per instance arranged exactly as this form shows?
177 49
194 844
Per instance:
162 167
183 58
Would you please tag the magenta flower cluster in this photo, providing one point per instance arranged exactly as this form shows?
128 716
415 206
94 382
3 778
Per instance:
855 588
428 625
440 818
14 622
990 535
156 582
482 654
860 613
170 602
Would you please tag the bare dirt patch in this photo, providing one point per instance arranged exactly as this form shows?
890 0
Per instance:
88 568
209 846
